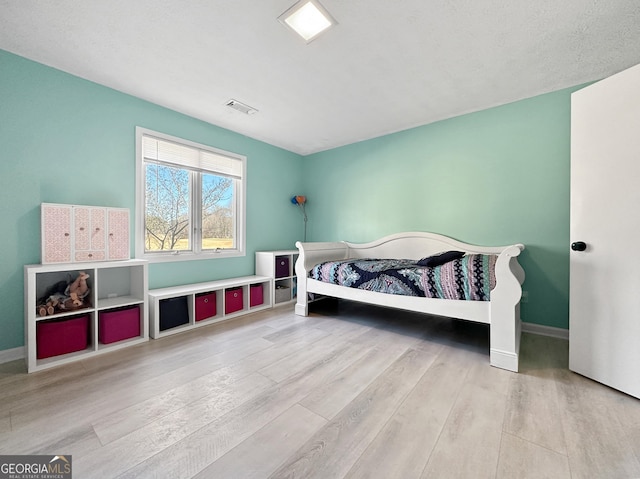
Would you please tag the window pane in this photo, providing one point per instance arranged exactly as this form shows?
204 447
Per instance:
217 212
167 212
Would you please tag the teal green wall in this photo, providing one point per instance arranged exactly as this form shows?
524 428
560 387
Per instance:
67 140
498 176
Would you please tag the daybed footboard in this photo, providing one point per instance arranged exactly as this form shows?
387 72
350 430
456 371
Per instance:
502 312
310 255
505 310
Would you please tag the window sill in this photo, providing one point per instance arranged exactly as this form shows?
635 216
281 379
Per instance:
189 256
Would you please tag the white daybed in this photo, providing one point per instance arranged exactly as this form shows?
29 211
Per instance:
502 312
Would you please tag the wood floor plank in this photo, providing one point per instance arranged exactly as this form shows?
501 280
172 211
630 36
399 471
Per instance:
26 388
114 425
328 399
292 332
485 376
194 404
278 350
294 363
124 421
78 442
158 436
10 372
597 445
533 412
189 346
284 317
5 422
251 460
79 437
470 440
129 373
403 446
101 401
525 460
194 453
629 415
341 327
333 450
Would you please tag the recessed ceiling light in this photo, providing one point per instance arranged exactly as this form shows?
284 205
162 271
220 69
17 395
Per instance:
308 18
243 107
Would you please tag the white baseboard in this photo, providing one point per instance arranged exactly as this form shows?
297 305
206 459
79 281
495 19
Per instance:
11 354
545 330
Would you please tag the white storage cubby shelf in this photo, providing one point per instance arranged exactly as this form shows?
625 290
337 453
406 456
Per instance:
280 266
113 285
180 308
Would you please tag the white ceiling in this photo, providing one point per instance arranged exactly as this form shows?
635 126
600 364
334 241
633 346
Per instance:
387 66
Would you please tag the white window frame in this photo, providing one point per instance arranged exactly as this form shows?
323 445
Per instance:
196 252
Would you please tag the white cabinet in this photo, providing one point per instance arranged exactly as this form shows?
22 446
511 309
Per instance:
113 314
280 266
179 308
76 233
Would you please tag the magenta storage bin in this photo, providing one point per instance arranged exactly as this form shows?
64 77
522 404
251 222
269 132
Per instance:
282 266
61 336
256 296
205 306
233 300
116 325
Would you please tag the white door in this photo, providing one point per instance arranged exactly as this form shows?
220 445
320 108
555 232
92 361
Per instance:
604 319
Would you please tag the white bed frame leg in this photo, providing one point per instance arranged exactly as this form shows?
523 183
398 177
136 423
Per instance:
302 298
505 311
302 309
504 353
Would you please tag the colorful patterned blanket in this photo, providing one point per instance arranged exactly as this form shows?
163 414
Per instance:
469 278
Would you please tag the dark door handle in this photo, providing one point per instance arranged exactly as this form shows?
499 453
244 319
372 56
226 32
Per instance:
579 246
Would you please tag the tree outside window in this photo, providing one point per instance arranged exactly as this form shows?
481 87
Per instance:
192 199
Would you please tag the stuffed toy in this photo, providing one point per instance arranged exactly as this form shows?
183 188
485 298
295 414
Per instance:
51 298
78 290
65 296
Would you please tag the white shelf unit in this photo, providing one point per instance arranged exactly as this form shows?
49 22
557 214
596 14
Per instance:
280 267
223 290
113 285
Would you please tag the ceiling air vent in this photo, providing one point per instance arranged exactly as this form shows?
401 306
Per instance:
246 109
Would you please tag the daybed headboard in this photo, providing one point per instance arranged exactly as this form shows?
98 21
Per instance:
413 245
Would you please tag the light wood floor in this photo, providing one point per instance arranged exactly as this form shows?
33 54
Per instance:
350 392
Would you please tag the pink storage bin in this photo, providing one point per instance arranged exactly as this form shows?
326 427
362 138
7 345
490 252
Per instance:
119 324
61 336
256 296
205 306
233 300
